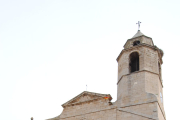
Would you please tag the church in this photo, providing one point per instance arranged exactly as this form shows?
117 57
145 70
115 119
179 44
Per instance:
139 88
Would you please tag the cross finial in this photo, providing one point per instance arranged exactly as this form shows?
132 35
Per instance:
138 24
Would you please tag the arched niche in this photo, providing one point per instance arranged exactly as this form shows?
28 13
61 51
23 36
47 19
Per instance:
134 62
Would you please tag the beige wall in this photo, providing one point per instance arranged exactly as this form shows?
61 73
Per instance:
131 87
94 110
138 112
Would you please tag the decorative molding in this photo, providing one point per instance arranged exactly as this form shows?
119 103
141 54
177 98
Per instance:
90 112
139 114
98 96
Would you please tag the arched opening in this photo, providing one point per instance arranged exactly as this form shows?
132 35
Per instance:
159 65
161 97
134 62
136 43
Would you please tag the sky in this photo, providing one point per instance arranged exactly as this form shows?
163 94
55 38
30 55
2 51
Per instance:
51 49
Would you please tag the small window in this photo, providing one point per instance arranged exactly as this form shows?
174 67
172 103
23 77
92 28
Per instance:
136 43
134 62
161 97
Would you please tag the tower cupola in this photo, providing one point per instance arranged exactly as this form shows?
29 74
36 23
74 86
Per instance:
138 38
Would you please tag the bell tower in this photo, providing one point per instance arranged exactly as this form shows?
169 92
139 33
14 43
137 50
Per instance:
139 85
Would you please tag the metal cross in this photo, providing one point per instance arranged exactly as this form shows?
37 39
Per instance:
138 24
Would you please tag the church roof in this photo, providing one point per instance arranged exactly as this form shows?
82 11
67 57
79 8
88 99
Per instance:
86 96
139 33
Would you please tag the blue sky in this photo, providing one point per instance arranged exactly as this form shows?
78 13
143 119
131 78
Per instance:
50 50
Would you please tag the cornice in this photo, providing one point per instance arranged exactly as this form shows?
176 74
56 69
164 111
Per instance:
78 103
139 72
138 37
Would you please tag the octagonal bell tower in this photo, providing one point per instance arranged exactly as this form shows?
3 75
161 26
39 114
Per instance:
139 85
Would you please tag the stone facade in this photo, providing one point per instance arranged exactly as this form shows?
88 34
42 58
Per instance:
139 88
